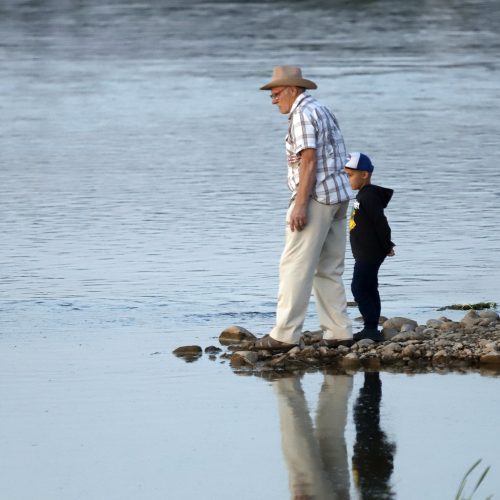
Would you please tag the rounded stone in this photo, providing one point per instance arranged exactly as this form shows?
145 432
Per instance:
397 322
188 350
365 342
235 334
211 349
490 314
434 323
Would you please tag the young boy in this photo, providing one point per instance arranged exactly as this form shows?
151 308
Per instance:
370 237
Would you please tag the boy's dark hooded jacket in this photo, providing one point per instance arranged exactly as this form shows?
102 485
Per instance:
369 230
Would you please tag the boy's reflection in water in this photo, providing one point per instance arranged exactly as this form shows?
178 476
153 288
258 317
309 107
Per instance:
316 456
373 456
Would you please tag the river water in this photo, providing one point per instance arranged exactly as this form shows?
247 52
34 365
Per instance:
142 201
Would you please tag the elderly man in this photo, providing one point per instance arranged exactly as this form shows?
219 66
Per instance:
313 257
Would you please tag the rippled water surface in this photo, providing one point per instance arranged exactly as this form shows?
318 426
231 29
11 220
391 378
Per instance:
142 201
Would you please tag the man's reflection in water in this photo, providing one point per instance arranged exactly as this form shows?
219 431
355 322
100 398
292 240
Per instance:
316 458
373 455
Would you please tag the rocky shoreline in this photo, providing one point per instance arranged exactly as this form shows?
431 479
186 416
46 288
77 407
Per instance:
472 344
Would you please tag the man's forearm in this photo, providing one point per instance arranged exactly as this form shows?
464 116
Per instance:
307 177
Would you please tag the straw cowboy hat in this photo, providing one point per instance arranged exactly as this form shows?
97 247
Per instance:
288 76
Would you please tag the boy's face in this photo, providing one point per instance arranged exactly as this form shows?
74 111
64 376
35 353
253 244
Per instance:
358 178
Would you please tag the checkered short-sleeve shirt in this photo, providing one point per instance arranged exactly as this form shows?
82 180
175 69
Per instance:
312 125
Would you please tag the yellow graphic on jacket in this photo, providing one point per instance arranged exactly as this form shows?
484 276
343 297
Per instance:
352 222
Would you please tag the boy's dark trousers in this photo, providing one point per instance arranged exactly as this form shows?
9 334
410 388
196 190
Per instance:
364 288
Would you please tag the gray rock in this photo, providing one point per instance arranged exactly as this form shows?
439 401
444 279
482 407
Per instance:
308 351
471 318
407 328
398 322
490 314
244 358
486 321
389 333
292 353
188 350
391 348
450 325
342 349
364 342
235 334
211 349
434 323
443 343
401 337
312 337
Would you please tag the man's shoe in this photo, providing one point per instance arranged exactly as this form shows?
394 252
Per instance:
269 344
368 333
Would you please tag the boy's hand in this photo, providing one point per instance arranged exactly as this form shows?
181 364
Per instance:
392 253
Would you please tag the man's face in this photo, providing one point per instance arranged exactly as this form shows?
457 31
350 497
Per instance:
284 97
357 178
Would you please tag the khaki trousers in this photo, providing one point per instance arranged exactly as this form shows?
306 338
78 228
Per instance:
313 259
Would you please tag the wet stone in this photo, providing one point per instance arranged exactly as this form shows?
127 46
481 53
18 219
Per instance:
235 334
188 350
244 358
211 349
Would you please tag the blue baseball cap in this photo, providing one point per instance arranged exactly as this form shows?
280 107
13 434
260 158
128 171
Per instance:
359 161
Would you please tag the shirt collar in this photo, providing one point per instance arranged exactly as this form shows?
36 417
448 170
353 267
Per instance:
297 101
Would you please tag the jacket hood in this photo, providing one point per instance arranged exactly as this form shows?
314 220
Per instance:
384 194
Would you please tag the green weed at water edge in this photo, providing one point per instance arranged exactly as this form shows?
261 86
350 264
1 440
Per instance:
479 481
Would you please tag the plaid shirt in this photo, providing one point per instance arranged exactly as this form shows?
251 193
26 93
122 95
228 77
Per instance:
312 125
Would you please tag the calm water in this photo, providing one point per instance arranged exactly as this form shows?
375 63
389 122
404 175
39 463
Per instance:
142 199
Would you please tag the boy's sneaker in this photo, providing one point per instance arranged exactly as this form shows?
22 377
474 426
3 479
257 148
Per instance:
368 333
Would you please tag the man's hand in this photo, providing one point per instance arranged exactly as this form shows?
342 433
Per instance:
298 217
392 253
